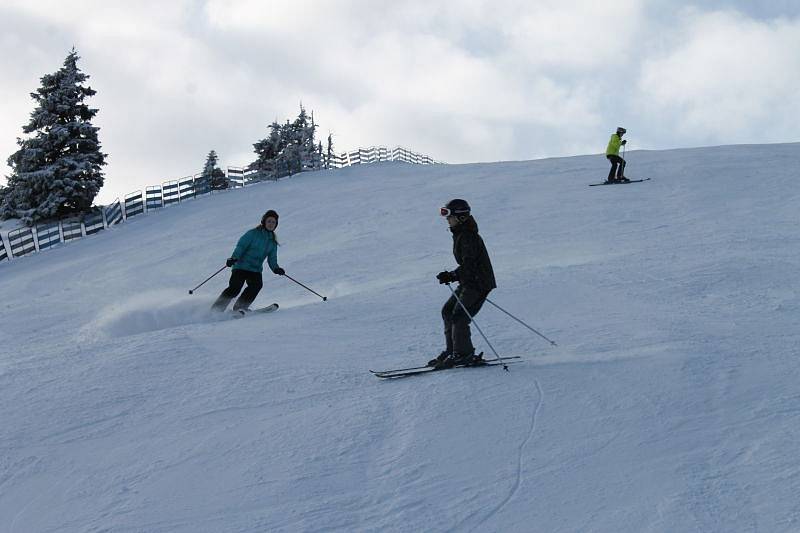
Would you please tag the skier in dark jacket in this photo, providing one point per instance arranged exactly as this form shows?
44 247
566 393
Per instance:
475 278
247 261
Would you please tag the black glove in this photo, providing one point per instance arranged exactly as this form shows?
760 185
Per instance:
445 277
624 142
230 262
279 271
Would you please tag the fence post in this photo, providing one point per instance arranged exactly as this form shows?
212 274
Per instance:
35 234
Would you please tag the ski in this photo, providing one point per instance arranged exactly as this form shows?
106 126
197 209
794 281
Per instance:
618 182
403 372
241 313
408 369
427 370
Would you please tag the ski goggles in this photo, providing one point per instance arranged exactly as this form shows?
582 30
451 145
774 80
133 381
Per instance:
446 212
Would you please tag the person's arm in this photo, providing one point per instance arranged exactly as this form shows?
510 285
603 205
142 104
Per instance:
242 245
272 261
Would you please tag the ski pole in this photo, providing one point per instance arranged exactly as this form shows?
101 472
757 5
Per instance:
191 291
324 298
476 324
624 163
521 322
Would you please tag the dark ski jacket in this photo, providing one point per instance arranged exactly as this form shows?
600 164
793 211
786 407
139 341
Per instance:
474 267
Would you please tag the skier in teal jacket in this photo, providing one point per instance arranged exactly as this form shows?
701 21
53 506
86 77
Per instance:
617 172
247 262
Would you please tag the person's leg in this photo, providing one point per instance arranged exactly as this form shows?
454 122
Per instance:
462 339
447 317
254 284
621 170
613 172
234 286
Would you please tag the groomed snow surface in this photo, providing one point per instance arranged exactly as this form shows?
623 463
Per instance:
671 403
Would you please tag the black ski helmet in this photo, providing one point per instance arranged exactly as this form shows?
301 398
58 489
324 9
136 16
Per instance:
621 130
456 207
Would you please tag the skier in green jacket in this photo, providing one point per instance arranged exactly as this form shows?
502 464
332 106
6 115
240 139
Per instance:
617 172
247 261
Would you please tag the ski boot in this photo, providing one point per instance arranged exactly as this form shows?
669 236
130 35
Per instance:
438 359
476 359
459 359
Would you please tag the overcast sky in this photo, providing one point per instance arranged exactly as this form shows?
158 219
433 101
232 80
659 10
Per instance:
461 81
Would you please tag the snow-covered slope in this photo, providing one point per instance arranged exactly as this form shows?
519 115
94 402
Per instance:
670 404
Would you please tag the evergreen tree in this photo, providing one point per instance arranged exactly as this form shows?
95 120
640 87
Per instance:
214 175
289 160
56 171
329 156
309 157
268 151
289 149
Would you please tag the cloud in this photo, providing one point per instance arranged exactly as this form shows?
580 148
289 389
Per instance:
580 37
468 81
727 77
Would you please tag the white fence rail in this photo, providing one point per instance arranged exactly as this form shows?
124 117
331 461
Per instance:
376 154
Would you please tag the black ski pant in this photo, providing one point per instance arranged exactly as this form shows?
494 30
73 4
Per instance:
456 321
238 278
617 167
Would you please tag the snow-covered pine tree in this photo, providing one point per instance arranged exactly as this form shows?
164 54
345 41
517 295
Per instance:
309 157
56 171
268 151
289 149
329 152
213 174
289 160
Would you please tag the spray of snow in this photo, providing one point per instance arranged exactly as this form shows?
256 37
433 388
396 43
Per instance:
150 311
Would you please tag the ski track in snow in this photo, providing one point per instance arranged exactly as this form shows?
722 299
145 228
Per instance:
518 480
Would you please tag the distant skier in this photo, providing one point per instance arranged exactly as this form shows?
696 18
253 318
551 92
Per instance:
247 260
617 172
476 279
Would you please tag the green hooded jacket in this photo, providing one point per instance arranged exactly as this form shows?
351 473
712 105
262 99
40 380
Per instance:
613 145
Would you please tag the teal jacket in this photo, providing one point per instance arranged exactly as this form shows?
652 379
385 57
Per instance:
613 145
253 247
